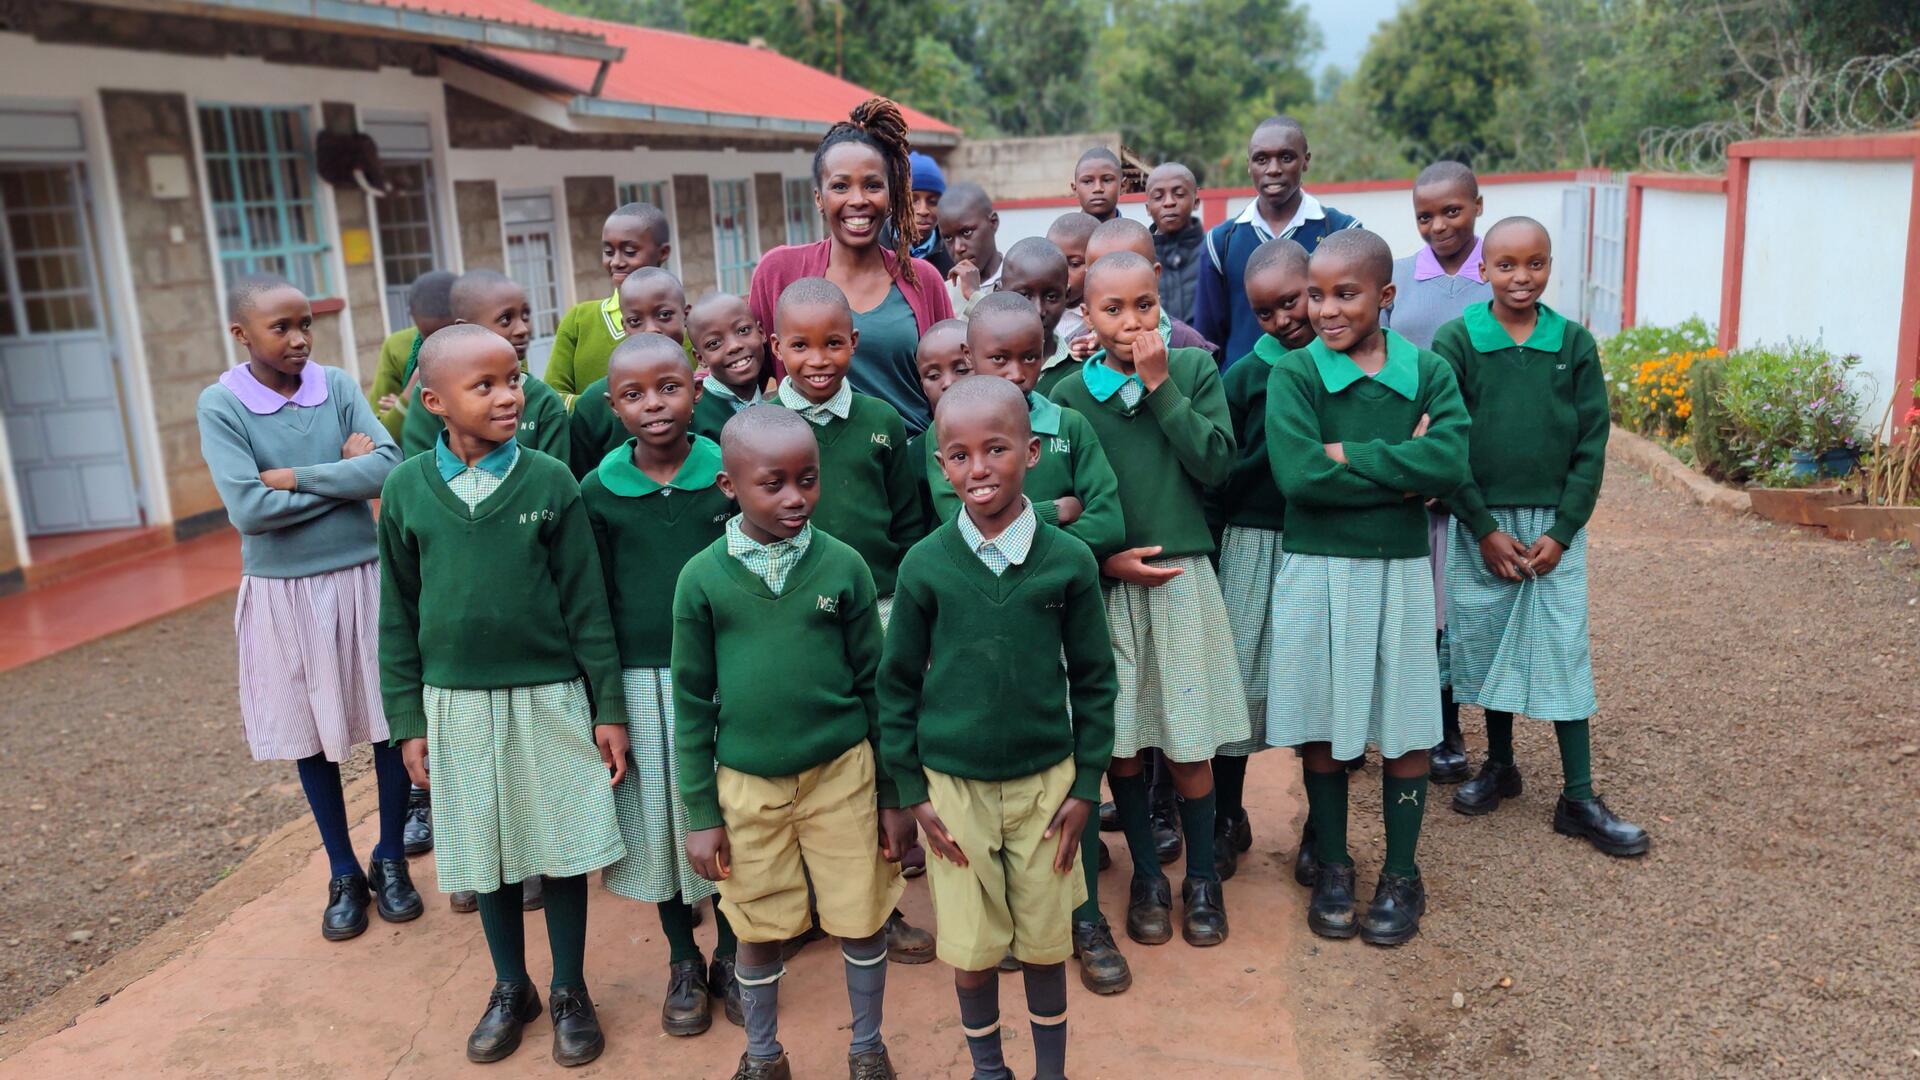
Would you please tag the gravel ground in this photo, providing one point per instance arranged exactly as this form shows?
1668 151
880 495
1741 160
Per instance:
1757 692
126 789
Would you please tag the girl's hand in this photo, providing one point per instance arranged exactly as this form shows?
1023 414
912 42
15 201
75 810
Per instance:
356 445
612 741
1150 360
1505 557
1131 566
389 402
1067 510
1544 555
938 838
709 853
278 479
1084 346
965 275
1336 451
413 754
896 833
1068 821
1420 428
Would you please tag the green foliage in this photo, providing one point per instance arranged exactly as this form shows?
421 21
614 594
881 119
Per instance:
1349 143
943 85
1034 60
1709 429
1624 358
1796 397
1433 73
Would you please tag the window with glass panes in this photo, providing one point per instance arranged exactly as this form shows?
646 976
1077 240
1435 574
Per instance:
46 278
803 218
409 243
651 192
260 180
733 254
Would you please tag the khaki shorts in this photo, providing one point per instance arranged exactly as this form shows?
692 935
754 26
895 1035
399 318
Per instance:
822 823
1008 895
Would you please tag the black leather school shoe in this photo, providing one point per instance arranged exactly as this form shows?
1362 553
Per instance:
416 837
1305 865
533 893
394 896
1226 860
688 1007
1103 969
1204 920
1330 909
1109 817
1394 915
1150 911
510 1007
1482 794
1167 843
576 1028
723 984
346 914
464 901
1591 820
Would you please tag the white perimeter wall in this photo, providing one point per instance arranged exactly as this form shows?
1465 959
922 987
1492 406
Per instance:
1682 244
1833 277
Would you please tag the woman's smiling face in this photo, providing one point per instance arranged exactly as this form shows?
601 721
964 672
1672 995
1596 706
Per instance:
851 190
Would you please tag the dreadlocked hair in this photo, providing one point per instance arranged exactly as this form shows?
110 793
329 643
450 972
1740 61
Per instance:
878 123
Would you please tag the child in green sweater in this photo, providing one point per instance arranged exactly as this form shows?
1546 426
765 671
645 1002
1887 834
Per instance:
430 307
1003 783
1249 511
731 348
776 641
654 503
495 301
635 236
1362 425
1517 569
514 688
1037 270
1162 419
651 302
942 360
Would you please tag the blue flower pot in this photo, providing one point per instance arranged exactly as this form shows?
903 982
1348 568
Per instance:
1838 462
1805 465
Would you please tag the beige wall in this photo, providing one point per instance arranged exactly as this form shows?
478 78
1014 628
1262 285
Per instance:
589 201
770 206
476 208
1031 168
693 233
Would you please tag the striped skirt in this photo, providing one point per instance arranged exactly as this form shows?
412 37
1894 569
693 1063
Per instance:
1179 684
1249 566
653 820
310 663
518 787
1520 646
1360 666
1439 528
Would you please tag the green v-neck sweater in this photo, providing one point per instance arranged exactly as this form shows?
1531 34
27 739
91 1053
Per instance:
507 595
1072 463
1166 451
593 429
1540 428
644 541
1371 507
1250 498
971 683
543 423
772 686
869 494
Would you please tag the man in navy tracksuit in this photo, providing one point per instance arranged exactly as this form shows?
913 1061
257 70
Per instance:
1277 156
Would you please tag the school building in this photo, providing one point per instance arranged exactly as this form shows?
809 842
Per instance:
152 149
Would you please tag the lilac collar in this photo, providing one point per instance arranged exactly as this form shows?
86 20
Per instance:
262 399
1426 265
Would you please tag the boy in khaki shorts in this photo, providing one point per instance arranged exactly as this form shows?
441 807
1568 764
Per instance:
775 645
977 732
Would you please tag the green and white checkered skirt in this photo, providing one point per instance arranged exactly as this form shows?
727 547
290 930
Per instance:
1520 647
1249 566
1439 528
653 820
1358 666
884 606
1179 684
518 787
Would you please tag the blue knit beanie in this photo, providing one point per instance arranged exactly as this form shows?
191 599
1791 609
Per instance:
926 174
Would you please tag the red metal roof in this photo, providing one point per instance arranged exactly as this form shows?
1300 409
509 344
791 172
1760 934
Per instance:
682 71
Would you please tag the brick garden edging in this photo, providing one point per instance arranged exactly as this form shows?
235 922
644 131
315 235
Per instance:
1671 474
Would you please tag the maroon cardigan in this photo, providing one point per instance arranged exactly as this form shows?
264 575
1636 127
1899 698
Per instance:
784 265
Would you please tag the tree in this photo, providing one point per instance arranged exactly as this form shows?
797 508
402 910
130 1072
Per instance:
1186 80
1433 73
941 84
1033 57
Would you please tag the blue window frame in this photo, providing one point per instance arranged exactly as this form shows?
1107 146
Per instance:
803 219
733 253
260 179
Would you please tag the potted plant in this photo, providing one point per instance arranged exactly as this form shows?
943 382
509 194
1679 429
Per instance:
1888 484
1790 416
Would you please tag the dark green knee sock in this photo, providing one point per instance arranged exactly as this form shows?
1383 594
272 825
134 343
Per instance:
1403 802
676 921
505 926
725 944
1500 737
1090 867
1327 813
1576 758
567 930
1130 801
1196 820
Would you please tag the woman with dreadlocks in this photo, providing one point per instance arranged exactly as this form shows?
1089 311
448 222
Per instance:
862 183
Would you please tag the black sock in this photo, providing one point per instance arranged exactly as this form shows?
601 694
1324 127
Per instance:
1500 737
1047 1007
724 943
505 927
980 1023
567 930
1196 820
320 779
390 775
1130 801
1229 786
1090 868
676 922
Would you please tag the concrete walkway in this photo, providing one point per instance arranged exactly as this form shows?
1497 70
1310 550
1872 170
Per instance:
259 993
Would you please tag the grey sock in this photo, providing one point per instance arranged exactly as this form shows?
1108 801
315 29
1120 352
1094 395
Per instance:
980 1022
1047 1006
760 1000
866 987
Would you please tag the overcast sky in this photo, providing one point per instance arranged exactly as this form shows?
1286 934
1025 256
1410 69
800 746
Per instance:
1345 26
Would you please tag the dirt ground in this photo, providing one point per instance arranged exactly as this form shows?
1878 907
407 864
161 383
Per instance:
1757 715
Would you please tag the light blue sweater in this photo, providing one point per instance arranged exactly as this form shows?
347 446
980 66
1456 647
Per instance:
322 525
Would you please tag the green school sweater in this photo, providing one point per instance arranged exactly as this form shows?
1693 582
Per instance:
869 495
712 412
772 686
971 684
1166 451
509 595
645 534
593 429
920 448
1057 374
1539 411
390 375
1072 463
1250 498
1363 509
581 347
543 423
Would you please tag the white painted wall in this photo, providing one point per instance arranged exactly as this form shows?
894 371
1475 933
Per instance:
1839 280
1682 242
1017 224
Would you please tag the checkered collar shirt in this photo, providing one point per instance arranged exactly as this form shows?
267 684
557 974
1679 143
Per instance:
834 408
1010 548
771 563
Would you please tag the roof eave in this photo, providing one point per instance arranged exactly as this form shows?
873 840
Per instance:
601 108
371 17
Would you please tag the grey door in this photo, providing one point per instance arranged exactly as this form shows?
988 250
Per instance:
58 387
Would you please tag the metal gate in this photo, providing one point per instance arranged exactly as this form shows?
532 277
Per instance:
1606 256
